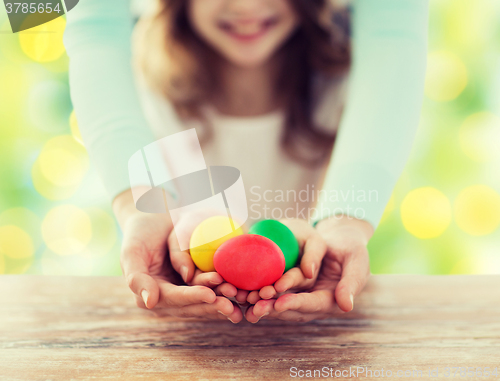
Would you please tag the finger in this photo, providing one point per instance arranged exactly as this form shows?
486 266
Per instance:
253 297
209 279
179 296
300 228
139 302
316 302
295 316
314 251
180 237
292 279
236 316
355 274
250 316
263 308
181 259
284 316
267 292
226 289
136 272
220 307
241 296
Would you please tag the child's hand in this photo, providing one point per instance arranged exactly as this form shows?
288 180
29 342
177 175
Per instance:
195 277
312 249
184 265
151 276
344 273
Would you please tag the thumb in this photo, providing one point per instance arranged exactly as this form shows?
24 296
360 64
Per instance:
313 253
355 274
180 259
136 272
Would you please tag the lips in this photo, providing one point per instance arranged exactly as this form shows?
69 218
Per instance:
249 29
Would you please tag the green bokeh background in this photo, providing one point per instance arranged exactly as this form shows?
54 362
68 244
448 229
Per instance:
56 227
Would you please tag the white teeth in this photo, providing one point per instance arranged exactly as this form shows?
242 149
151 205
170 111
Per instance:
248 29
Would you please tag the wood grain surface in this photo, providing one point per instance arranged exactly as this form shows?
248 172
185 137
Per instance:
88 328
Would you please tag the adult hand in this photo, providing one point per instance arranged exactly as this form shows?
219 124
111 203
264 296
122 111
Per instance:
312 250
343 274
149 273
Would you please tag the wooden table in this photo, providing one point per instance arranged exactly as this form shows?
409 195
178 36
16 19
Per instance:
76 328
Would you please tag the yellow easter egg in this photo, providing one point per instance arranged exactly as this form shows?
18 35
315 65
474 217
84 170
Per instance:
207 237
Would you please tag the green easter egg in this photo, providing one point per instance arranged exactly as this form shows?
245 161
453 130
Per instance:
281 236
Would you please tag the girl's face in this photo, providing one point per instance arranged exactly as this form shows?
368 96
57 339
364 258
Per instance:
245 32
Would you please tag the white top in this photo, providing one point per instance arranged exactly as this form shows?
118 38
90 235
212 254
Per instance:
276 186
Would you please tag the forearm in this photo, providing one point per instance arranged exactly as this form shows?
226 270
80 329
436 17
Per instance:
97 39
364 229
382 110
124 207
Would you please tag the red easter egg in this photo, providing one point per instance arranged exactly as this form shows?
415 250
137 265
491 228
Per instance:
249 261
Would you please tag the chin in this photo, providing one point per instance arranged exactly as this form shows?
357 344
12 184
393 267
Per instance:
247 62
248 59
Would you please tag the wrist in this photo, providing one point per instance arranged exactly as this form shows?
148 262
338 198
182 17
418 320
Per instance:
124 207
346 222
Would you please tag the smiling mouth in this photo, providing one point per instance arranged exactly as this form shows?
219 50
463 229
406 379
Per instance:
248 31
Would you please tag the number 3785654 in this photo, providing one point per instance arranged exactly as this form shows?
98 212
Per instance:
33 8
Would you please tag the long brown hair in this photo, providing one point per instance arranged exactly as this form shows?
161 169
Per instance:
179 65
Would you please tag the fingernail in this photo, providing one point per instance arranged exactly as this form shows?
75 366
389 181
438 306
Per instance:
352 300
313 268
231 320
184 273
145 296
267 313
221 313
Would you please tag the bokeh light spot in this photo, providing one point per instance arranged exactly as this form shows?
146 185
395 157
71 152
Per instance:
66 230
16 156
446 76
44 43
75 129
426 212
471 24
104 232
15 242
480 136
468 265
477 210
24 219
60 168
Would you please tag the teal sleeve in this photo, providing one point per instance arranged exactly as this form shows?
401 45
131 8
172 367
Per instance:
382 108
103 90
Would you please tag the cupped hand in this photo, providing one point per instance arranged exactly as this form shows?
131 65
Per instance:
146 265
312 250
183 264
344 272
